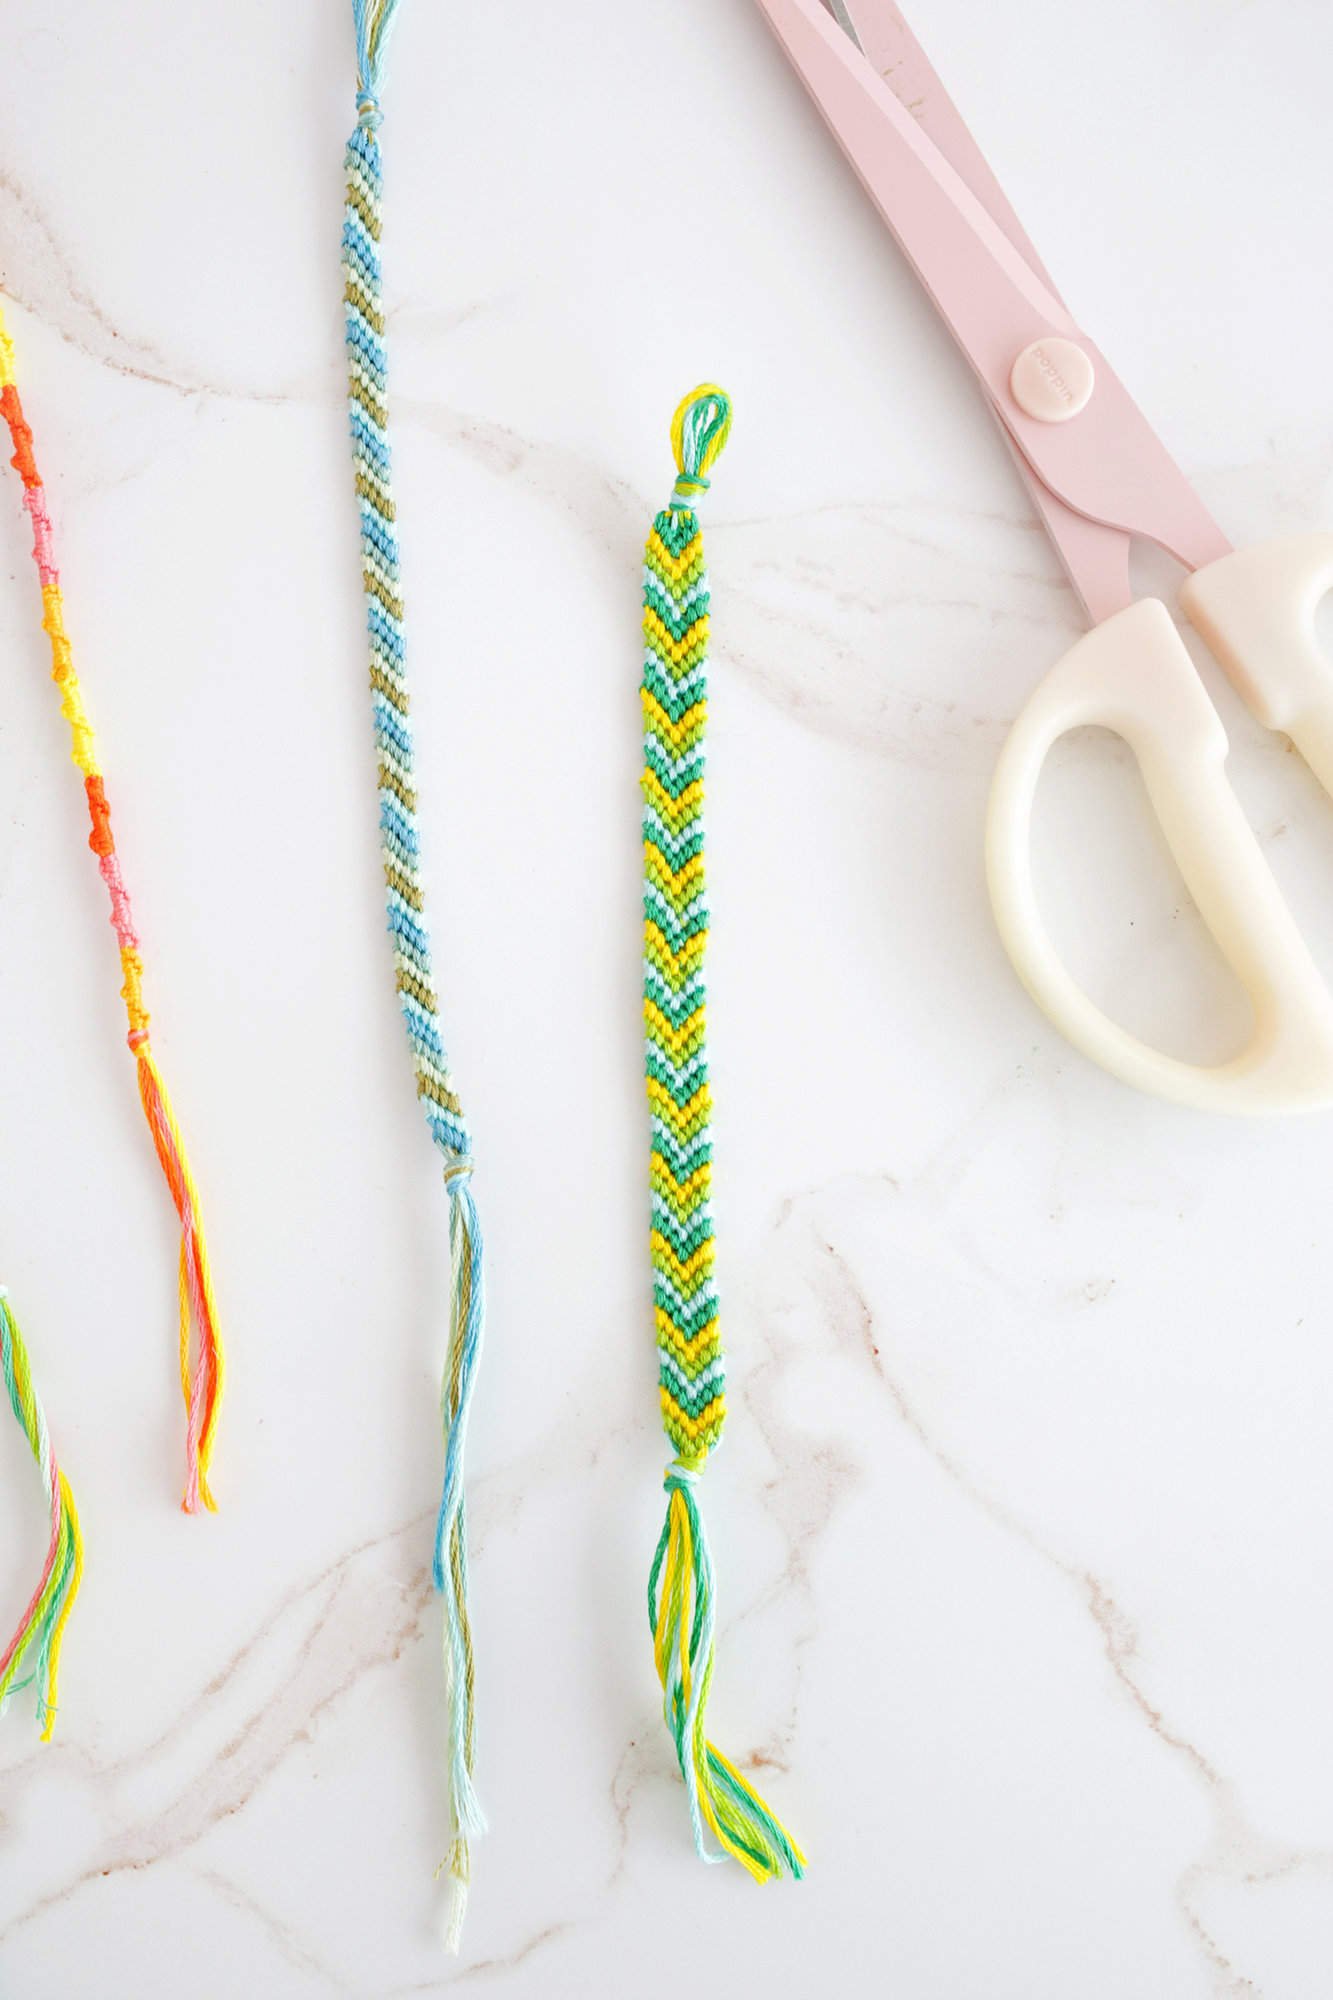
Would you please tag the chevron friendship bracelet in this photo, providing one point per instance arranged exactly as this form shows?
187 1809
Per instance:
691 1374
401 855
201 1357
33 1654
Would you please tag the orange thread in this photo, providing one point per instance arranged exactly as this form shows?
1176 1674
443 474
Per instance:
202 1364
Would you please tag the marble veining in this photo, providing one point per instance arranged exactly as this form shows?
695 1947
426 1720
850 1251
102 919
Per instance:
1022 1525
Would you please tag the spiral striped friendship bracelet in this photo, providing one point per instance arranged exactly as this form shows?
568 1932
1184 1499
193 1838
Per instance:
691 1374
401 855
33 1654
201 1356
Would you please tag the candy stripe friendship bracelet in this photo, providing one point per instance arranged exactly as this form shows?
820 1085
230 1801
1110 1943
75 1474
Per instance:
401 855
201 1358
41 1630
692 1385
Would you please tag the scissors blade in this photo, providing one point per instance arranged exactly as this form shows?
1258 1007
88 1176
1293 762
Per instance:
1106 463
880 31
838 9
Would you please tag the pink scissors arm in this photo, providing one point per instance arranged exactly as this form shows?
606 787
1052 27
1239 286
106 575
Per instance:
1106 463
898 59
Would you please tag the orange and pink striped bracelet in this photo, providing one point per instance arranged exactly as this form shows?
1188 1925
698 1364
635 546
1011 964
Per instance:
201 1357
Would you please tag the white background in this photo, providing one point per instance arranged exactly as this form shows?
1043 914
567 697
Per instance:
1023 1525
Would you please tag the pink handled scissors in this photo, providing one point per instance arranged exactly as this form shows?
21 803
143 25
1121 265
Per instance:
1099 476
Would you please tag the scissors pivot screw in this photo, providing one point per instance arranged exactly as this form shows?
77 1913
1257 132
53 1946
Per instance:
1052 380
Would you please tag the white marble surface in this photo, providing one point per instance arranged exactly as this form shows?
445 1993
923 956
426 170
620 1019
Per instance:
1024 1521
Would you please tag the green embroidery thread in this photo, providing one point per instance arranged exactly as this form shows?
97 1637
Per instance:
691 1372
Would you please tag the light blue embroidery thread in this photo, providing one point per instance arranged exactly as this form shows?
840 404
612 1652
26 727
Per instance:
401 855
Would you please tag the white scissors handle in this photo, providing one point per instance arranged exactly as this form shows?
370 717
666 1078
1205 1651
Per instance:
1133 675
1257 609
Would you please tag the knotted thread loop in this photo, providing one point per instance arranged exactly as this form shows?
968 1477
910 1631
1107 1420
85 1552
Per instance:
699 433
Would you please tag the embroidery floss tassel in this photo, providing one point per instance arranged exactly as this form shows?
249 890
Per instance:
41 1630
466 1325
400 848
201 1354
681 1594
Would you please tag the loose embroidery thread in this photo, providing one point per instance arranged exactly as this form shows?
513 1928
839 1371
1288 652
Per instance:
691 1374
201 1356
33 1654
401 853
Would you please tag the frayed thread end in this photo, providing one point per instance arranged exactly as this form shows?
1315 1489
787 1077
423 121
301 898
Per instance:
32 1657
683 1614
202 1361
467 1320
457 1868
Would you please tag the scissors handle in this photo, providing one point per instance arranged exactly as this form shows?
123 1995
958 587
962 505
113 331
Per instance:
1133 675
1256 610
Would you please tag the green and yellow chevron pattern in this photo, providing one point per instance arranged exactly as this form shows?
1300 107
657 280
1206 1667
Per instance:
675 935
682 1596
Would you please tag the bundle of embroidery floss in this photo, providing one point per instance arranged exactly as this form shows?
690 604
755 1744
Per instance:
32 1656
401 855
691 1374
201 1360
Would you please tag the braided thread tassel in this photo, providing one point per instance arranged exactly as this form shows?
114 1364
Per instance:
401 854
41 1631
691 1373
201 1355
